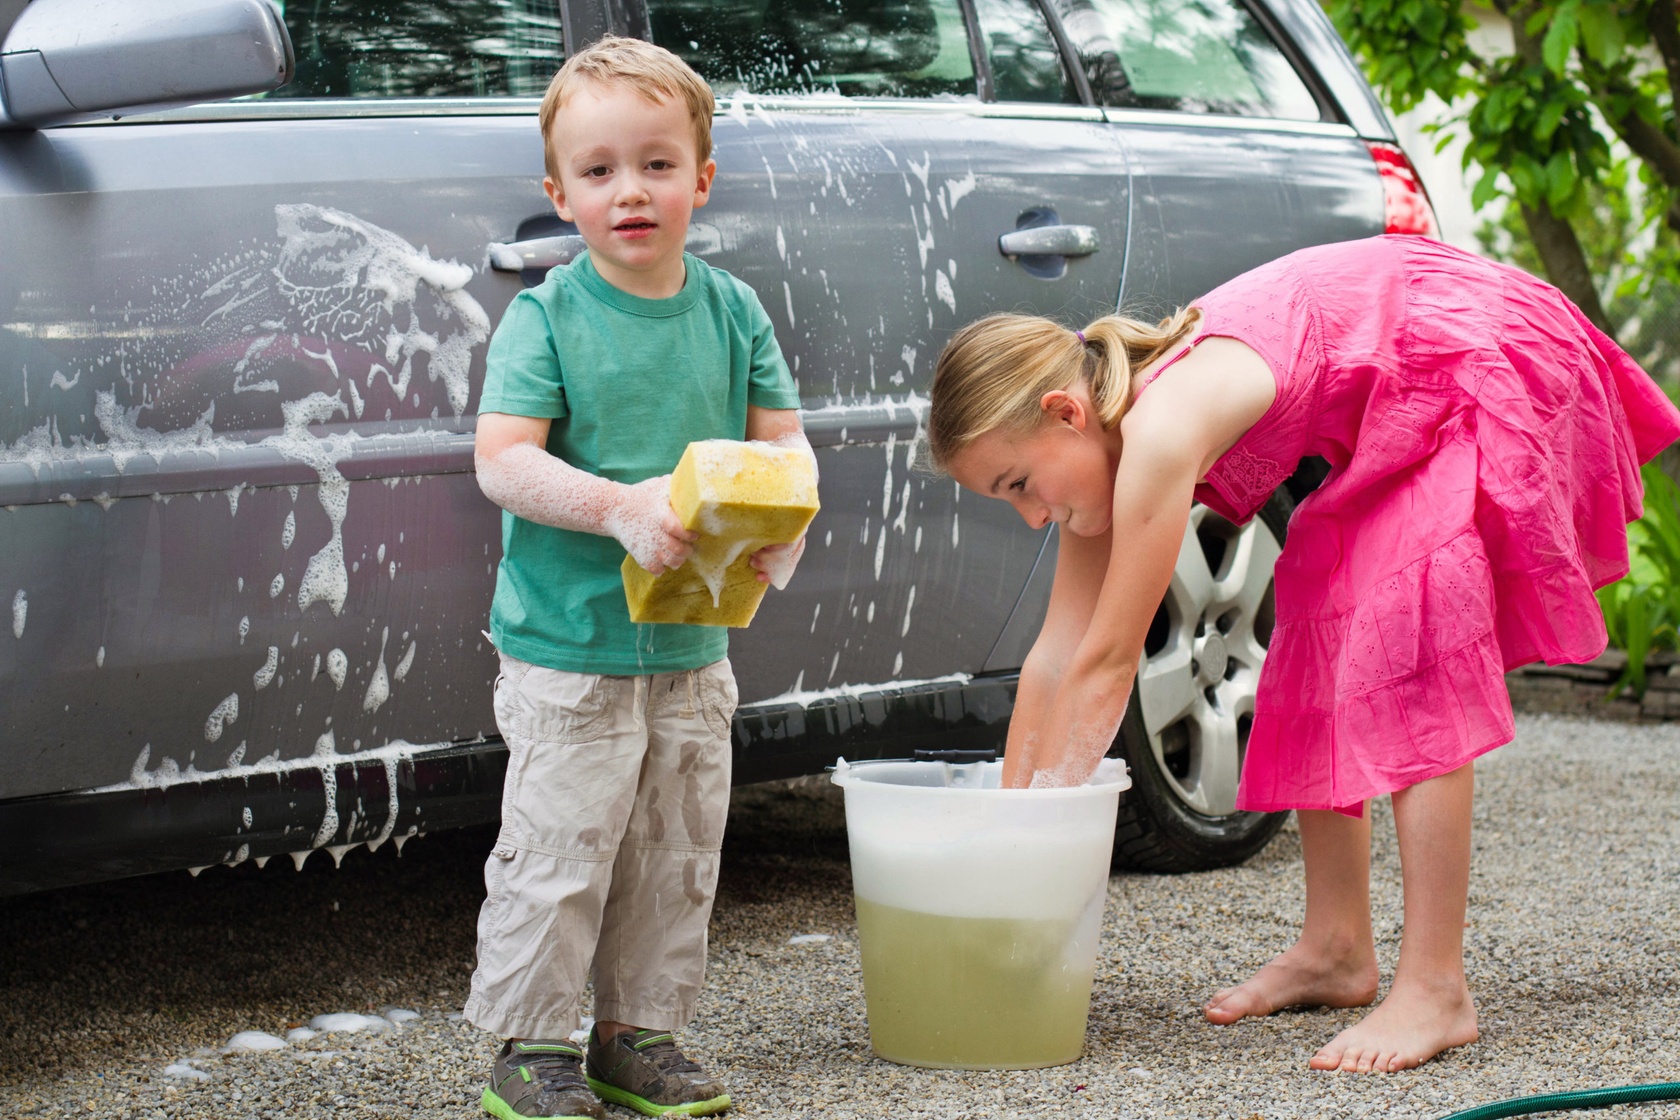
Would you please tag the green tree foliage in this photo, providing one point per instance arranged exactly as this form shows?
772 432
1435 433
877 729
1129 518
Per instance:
1644 304
1537 121
1641 612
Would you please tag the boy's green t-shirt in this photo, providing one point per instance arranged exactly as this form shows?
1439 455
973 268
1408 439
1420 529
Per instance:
629 383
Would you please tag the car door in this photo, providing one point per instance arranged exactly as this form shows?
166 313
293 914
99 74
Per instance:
871 155
1239 153
242 349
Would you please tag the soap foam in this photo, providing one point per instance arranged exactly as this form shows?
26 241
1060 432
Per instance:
1039 872
1087 743
528 482
264 676
224 713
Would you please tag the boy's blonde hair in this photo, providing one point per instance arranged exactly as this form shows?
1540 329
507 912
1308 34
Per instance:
993 372
651 71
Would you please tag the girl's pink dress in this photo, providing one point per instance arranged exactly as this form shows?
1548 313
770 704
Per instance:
1485 442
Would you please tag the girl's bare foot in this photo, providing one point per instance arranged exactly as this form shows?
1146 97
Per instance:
1300 977
1413 1024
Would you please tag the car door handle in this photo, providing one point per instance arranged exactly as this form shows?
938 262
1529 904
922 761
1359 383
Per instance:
1050 241
539 252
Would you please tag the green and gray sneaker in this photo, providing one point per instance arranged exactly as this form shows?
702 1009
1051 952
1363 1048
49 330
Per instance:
645 1071
540 1079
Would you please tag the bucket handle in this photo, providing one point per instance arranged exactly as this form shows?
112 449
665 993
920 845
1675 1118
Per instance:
957 757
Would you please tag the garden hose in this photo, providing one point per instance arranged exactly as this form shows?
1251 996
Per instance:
1585 1098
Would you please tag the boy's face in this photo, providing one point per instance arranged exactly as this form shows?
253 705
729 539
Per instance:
630 178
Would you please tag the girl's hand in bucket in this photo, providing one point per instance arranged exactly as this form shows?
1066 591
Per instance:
775 562
645 524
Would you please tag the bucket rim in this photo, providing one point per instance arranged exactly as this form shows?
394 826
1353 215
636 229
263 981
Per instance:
1112 776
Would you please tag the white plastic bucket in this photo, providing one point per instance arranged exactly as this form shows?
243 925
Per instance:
978 910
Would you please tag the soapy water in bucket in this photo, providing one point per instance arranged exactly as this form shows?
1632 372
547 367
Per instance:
976 993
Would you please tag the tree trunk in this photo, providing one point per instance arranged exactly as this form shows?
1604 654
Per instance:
1566 264
1554 238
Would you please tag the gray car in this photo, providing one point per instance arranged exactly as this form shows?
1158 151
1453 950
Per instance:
250 258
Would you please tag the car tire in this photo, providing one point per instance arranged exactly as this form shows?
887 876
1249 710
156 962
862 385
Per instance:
1186 728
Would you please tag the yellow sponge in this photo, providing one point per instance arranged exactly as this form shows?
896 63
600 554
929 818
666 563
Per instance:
740 497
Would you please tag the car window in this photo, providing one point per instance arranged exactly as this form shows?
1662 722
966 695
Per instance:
1201 56
857 48
422 48
1026 66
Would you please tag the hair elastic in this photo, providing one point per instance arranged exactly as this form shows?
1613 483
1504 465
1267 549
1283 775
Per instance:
1081 335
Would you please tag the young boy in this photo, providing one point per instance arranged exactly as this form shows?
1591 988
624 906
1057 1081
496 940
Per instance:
618 735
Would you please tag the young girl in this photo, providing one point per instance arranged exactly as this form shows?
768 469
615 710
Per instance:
1485 443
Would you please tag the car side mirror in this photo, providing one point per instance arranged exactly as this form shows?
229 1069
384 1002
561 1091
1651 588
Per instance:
73 60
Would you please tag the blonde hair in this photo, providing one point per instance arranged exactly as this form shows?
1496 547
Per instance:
651 71
993 372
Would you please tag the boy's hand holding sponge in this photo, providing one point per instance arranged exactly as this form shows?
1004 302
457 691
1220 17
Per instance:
740 497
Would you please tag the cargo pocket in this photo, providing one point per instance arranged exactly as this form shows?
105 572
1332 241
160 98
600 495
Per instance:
546 716
504 697
719 696
495 892
560 707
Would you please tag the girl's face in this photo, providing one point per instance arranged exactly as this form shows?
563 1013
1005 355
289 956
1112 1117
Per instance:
1061 473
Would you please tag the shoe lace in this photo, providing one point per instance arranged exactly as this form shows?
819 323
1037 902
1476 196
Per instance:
666 1057
556 1072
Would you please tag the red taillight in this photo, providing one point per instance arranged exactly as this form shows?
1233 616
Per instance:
1406 206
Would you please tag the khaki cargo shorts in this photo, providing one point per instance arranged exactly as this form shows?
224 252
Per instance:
613 812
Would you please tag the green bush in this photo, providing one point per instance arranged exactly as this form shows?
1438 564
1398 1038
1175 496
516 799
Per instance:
1642 611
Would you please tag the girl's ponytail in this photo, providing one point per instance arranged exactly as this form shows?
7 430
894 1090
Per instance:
993 372
1117 347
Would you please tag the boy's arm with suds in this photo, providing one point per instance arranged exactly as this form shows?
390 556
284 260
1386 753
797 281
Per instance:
517 473
780 426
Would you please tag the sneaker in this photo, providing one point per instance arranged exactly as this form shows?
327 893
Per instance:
540 1079
645 1071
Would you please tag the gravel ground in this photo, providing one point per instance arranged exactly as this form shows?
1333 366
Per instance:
120 999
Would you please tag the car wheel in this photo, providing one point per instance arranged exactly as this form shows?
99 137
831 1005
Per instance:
1187 726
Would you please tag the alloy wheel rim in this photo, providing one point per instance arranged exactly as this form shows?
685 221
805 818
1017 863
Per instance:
1201 670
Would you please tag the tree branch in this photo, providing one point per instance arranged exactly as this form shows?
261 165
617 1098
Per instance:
1650 143
1554 237
1528 48
1660 154
1566 263
1664 26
